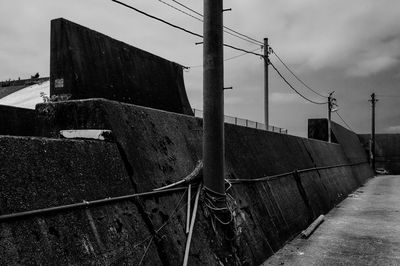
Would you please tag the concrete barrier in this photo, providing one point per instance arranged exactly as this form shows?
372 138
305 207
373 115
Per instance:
350 144
387 150
87 64
157 148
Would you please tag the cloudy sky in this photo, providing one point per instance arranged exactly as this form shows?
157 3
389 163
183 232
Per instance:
351 47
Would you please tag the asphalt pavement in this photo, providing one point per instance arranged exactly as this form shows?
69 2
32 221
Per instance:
364 229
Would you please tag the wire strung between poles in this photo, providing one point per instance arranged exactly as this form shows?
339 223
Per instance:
291 86
201 20
229 58
301 81
343 121
179 27
225 27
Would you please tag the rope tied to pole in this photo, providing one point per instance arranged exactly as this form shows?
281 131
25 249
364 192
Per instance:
219 208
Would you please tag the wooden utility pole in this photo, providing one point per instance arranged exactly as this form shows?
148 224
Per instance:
213 97
266 83
330 105
373 102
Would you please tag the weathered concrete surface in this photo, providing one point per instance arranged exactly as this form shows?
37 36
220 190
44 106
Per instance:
17 121
387 150
349 142
87 64
159 148
364 229
318 129
38 173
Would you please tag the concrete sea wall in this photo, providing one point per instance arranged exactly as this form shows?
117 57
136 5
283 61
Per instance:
87 64
37 173
387 150
154 148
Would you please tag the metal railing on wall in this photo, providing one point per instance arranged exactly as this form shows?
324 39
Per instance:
245 123
154 193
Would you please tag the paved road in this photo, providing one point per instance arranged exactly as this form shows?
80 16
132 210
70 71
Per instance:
364 229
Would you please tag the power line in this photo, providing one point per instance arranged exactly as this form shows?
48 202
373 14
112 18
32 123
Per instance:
180 28
228 59
188 8
290 85
201 20
240 55
180 10
337 112
225 27
301 81
156 18
243 50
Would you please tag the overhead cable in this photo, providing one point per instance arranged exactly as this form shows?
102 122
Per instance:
243 50
291 86
180 10
229 58
344 121
178 27
156 18
301 81
237 35
242 54
225 27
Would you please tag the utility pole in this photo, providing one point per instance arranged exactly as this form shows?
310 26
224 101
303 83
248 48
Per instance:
266 81
213 97
373 102
330 106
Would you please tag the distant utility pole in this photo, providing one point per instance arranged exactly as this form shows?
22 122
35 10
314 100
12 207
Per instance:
372 151
330 106
213 97
266 81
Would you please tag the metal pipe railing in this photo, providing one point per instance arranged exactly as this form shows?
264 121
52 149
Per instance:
100 202
245 122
